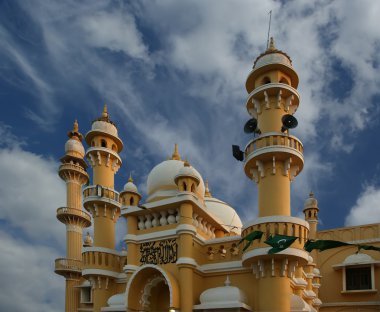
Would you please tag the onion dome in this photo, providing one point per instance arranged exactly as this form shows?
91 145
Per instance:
222 297
311 202
160 182
88 240
73 146
104 126
187 171
275 59
224 213
130 186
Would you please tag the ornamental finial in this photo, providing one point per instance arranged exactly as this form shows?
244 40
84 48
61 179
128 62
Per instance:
130 178
176 155
105 112
271 45
207 190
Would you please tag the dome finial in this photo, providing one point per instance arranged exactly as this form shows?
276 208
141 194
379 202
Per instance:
186 163
176 155
105 112
311 194
271 45
227 281
76 127
207 190
74 134
130 177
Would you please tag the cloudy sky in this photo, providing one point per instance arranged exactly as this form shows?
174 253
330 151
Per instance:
174 72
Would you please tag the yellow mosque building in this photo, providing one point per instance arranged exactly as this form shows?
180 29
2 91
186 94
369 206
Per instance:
183 245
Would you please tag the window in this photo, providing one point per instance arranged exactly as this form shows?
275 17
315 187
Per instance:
103 143
265 80
358 278
85 295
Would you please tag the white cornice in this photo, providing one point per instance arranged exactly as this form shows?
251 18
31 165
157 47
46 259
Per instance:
276 219
106 250
264 252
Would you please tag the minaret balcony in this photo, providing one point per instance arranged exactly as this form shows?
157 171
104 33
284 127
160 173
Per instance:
102 260
98 156
273 147
68 215
65 266
73 172
277 95
102 194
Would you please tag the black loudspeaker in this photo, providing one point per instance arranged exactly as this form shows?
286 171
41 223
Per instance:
251 126
288 122
237 153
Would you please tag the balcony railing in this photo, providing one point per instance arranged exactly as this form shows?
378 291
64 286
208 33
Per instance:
68 265
273 139
63 211
100 191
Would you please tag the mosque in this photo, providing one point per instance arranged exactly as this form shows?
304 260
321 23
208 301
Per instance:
183 251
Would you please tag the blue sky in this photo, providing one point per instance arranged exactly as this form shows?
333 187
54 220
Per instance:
174 72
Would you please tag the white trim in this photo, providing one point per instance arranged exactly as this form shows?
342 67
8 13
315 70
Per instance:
100 272
159 235
103 149
222 305
130 268
350 303
363 241
125 210
222 267
276 219
106 250
187 260
74 228
222 240
258 252
186 228
274 149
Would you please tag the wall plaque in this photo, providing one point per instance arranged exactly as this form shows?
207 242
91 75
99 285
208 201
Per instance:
160 252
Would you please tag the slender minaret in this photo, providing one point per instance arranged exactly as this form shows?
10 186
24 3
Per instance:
102 201
311 214
73 172
273 159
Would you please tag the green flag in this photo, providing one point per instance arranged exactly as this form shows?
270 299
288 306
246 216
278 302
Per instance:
279 242
322 245
368 247
250 238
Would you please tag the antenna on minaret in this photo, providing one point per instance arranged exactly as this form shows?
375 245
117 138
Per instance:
270 20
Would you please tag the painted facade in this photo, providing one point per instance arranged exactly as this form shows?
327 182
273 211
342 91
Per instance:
183 251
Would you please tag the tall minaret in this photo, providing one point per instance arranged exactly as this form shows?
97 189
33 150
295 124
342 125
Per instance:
101 199
73 172
273 159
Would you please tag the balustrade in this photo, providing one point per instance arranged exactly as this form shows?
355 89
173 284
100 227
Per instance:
66 265
63 211
156 219
101 260
100 191
271 140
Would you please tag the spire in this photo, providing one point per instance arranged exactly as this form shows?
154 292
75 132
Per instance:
207 190
105 116
130 178
227 281
75 134
271 45
176 155
105 112
311 194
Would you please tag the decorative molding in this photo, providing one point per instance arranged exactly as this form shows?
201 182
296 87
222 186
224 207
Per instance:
74 228
106 250
276 219
186 261
100 272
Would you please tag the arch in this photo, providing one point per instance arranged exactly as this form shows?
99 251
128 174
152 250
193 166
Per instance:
284 80
114 148
265 80
141 287
103 143
193 189
93 143
131 201
184 185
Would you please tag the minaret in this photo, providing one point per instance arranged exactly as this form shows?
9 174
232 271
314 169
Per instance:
273 159
311 214
73 172
102 201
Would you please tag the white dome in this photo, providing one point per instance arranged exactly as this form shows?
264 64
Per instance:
117 300
226 295
104 126
316 272
358 259
187 171
273 58
130 187
311 202
160 183
74 146
225 213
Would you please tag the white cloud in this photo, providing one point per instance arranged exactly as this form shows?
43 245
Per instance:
30 193
28 282
114 31
367 208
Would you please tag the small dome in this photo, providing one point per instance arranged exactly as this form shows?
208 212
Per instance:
117 300
225 213
226 295
311 202
316 271
187 171
88 240
75 148
130 186
104 126
161 180
358 259
272 56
